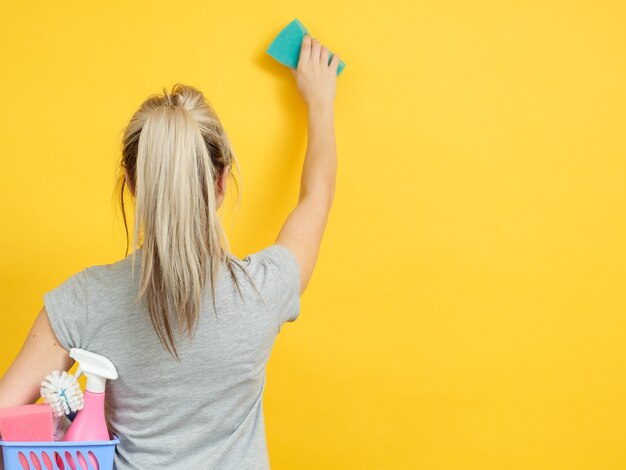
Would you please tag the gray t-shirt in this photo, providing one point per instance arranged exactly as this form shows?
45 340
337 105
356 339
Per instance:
205 412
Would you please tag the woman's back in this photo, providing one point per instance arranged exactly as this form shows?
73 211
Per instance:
190 398
206 410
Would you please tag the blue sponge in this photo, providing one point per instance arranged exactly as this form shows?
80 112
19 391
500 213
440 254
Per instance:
285 47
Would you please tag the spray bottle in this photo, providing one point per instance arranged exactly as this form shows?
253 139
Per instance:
90 423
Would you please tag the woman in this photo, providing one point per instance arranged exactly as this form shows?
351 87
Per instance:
191 335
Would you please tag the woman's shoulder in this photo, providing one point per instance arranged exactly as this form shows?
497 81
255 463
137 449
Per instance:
113 271
275 253
272 258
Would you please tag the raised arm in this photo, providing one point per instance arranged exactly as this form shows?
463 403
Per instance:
303 230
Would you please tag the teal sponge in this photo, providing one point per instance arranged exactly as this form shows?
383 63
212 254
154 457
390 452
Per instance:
285 47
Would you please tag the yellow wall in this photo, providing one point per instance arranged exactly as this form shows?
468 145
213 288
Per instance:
468 305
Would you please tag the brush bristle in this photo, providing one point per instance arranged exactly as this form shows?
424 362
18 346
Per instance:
62 392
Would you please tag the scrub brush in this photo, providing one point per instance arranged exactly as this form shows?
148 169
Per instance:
62 392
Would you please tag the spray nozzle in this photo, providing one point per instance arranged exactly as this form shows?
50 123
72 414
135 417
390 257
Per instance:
96 368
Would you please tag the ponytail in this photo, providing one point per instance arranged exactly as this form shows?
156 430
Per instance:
175 150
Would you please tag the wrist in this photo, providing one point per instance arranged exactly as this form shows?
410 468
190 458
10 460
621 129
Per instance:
321 109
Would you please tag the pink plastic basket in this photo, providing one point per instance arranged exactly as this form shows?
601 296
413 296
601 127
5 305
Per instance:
59 455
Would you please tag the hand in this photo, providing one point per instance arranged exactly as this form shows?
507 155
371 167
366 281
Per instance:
315 77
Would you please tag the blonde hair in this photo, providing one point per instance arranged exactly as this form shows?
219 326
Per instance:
174 150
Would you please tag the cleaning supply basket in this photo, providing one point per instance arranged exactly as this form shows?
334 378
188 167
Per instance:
59 455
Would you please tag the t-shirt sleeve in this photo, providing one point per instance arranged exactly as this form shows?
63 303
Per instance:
283 281
66 306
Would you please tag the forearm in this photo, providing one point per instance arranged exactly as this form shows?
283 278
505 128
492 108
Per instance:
319 170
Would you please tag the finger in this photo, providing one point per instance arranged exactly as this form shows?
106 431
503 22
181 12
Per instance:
324 58
334 63
305 49
315 50
293 72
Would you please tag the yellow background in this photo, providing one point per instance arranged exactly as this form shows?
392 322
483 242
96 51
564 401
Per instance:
468 306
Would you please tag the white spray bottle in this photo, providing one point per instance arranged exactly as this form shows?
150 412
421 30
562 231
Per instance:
90 423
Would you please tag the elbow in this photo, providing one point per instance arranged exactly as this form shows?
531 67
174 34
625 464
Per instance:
319 198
